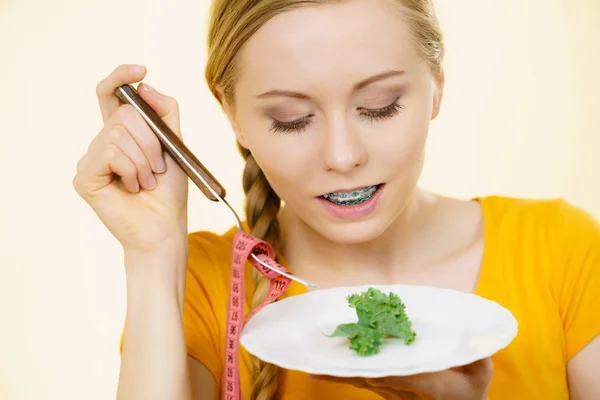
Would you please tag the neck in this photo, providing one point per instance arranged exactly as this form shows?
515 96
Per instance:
385 255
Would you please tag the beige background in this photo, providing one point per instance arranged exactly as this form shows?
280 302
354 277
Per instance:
520 118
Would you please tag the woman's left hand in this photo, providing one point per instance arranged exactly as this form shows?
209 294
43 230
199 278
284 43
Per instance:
470 382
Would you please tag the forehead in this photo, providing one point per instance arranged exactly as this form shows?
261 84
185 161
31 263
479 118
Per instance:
327 44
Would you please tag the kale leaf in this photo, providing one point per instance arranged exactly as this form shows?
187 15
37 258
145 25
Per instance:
379 316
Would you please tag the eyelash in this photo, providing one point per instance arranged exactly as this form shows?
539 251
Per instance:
375 115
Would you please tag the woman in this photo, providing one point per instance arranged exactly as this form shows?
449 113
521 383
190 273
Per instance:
325 97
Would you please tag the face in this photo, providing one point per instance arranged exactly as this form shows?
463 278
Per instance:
335 102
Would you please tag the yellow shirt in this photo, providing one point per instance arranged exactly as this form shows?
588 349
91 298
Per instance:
541 261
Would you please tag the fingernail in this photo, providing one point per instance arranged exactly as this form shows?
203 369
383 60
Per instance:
151 181
138 69
136 188
159 165
149 88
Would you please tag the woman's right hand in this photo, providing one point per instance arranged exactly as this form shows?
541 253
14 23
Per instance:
138 192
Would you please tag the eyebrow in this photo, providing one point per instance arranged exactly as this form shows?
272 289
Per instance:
358 86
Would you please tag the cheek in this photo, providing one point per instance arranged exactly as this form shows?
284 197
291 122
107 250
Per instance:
286 166
402 146
288 161
280 165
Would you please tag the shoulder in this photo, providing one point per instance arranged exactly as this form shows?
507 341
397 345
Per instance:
209 256
210 246
557 217
557 240
209 267
557 243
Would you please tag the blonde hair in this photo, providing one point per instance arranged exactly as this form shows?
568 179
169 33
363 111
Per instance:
231 24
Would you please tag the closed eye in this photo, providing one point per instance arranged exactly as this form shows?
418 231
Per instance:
296 126
383 113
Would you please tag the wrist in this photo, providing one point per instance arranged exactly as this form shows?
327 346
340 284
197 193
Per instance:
170 258
175 255
157 242
161 270
172 249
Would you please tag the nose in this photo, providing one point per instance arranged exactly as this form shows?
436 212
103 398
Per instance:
343 148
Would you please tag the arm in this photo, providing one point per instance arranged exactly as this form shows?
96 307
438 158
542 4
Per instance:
579 298
584 372
154 358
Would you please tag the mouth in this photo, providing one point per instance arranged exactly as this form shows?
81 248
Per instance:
351 197
352 204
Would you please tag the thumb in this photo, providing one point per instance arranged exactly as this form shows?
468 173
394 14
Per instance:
166 107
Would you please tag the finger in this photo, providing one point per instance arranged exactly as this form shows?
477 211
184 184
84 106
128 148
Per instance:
121 136
480 372
382 388
391 393
142 135
121 165
415 386
406 382
453 384
105 90
357 382
423 386
96 171
166 107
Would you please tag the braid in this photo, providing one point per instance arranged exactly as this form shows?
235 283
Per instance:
262 207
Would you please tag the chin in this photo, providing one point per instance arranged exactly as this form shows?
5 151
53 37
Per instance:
354 232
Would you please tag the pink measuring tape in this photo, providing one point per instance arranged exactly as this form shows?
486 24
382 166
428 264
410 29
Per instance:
243 246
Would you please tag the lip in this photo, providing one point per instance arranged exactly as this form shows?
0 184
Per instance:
350 189
353 212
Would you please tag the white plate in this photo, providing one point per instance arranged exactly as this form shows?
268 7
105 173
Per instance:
453 329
